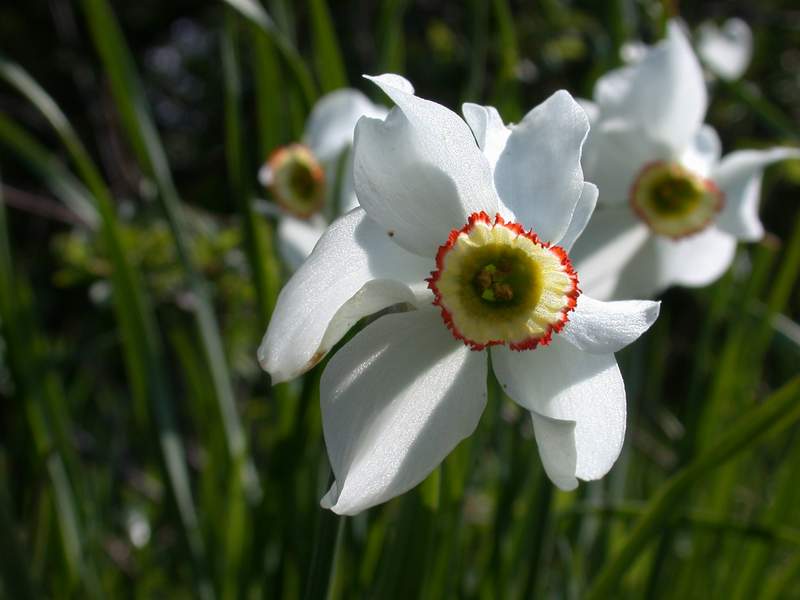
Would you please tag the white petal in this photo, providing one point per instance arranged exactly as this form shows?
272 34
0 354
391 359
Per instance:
633 51
330 126
355 270
556 442
538 175
297 238
420 173
561 382
661 262
702 155
610 241
580 218
607 327
396 400
664 93
348 199
615 153
590 108
695 261
739 178
488 128
397 82
727 50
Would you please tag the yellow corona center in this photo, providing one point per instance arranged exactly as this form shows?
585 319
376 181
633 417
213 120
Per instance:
497 284
674 201
296 180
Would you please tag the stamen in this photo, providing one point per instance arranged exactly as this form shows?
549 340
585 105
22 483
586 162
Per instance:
499 284
674 201
296 180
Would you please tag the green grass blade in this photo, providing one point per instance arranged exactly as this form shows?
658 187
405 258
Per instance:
141 132
32 375
506 93
781 584
51 170
697 519
17 580
778 412
141 343
327 55
255 243
479 11
267 78
27 86
255 13
767 112
391 37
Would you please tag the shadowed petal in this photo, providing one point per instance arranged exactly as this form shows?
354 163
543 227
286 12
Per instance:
560 382
555 440
664 93
297 238
488 128
395 401
538 175
330 126
355 270
609 243
580 218
695 261
739 177
420 173
607 327
614 154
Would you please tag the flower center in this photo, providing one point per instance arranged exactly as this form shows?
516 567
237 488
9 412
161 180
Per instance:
496 283
296 180
674 201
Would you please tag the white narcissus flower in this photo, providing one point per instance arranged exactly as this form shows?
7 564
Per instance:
726 50
464 236
301 177
670 211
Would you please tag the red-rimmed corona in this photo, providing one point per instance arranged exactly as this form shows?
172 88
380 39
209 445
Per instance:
296 180
674 201
497 283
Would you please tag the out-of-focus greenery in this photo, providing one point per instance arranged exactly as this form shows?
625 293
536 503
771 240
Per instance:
144 454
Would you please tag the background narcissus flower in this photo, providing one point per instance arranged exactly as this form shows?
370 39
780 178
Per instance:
726 49
322 186
399 396
670 209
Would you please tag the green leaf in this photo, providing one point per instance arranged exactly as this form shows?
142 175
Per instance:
327 55
61 182
255 13
258 251
778 412
33 378
142 134
141 343
506 93
391 36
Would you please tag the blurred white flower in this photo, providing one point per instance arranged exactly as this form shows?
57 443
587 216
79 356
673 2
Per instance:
301 177
633 51
726 50
399 396
670 210
138 528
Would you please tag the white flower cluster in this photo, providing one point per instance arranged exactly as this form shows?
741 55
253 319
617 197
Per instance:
464 228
